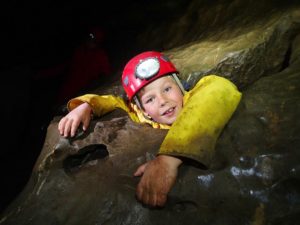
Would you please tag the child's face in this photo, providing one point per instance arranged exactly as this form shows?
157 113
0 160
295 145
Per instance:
162 100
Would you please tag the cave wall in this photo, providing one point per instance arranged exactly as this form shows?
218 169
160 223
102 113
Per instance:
258 50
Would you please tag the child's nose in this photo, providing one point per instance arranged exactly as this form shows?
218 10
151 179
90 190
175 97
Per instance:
162 100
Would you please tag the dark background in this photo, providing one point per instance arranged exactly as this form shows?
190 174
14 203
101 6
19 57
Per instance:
40 34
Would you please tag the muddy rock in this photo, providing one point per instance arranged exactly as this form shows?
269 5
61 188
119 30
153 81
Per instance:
255 177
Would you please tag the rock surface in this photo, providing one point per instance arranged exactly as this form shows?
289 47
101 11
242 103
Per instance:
256 175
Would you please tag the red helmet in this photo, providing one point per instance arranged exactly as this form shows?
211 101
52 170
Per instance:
143 69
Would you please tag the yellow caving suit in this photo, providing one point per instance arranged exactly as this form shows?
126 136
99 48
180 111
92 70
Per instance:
206 110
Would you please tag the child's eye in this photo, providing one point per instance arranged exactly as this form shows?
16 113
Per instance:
168 89
149 100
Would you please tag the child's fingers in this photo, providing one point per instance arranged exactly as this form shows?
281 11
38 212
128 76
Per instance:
67 127
86 123
61 126
140 171
74 126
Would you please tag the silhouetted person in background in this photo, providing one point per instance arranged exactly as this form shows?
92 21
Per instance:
88 66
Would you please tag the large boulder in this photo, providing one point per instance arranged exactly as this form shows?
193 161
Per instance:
255 177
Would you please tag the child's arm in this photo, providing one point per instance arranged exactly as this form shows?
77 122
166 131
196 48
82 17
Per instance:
207 109
81 108
69 124
158 176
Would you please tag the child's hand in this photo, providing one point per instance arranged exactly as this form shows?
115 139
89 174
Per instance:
69 124
158 177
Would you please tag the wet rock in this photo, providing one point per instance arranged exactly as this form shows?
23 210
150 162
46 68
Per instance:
255 177
215 39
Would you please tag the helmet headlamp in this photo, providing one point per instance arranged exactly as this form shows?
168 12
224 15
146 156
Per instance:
147 68
143 69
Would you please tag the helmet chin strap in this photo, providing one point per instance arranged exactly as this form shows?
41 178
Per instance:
175 77
139 105
137 102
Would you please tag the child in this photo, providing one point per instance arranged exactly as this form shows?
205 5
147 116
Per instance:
194 119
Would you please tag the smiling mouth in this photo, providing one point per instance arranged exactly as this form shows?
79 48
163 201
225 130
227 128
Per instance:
169 111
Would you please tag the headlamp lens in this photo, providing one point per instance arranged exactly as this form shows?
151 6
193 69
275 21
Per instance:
147 68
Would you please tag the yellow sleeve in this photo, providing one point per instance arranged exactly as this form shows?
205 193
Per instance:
207 108
102 104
